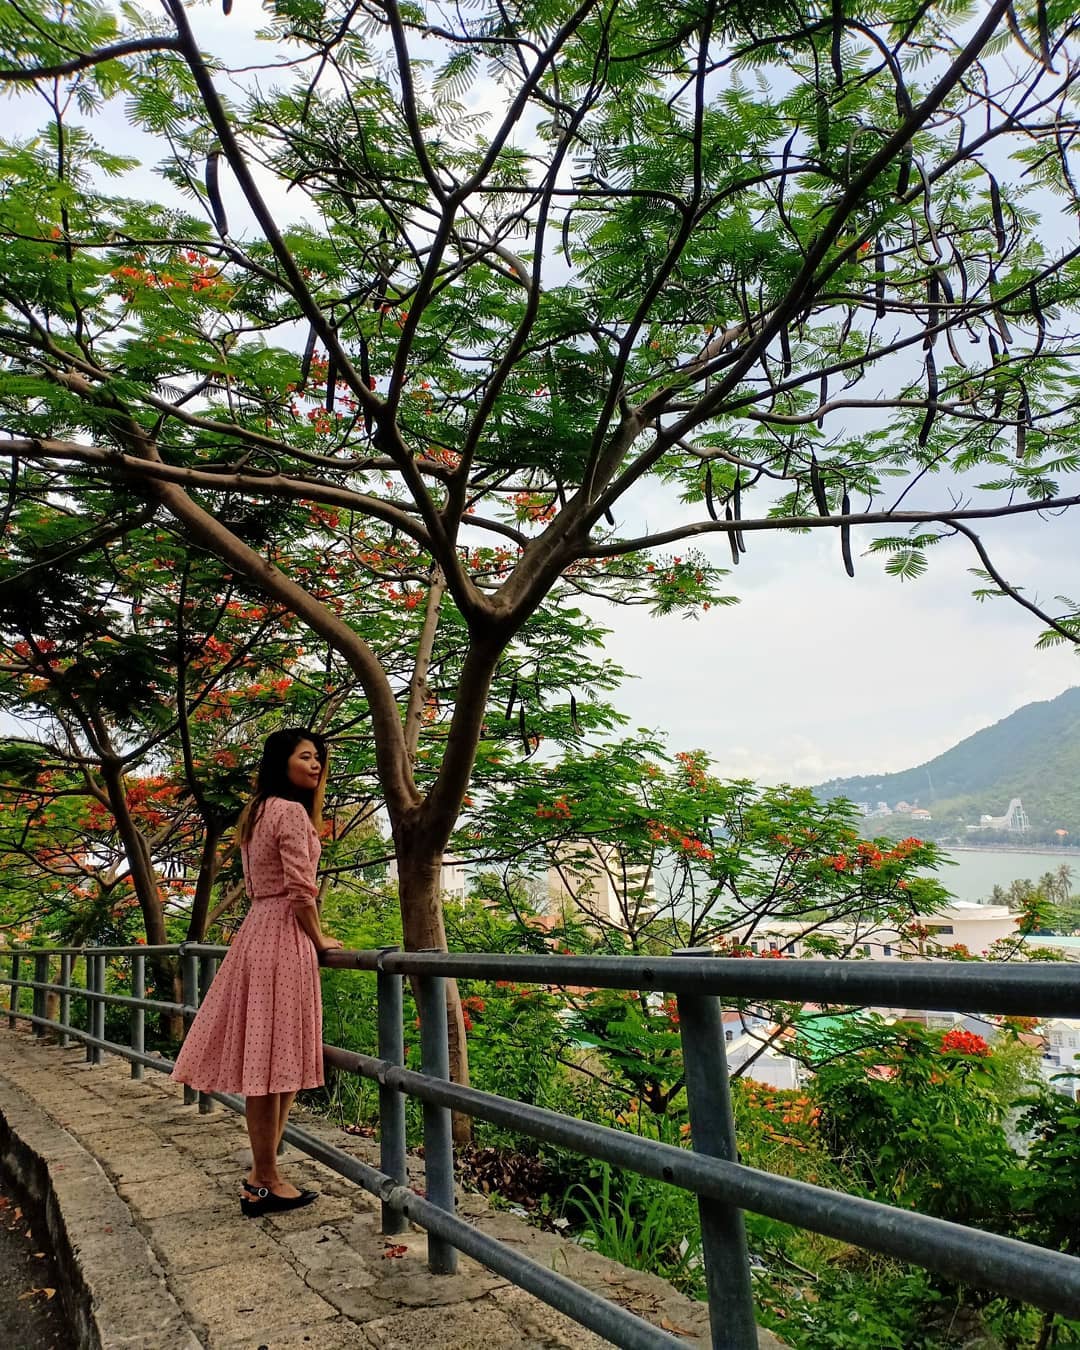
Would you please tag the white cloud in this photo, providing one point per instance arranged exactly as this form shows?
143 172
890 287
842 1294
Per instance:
814 675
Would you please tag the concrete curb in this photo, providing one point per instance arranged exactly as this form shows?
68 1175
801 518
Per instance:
112 1286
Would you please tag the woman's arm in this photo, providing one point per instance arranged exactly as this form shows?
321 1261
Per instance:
307 916
299 871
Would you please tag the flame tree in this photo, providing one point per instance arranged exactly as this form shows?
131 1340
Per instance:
666 253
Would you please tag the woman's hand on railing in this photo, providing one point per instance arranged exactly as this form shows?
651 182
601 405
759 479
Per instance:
328 944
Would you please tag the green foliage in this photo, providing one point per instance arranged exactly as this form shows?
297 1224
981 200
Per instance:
924 1125
1051 1175
691 858
919 1118
420 399
868 1303
644 1225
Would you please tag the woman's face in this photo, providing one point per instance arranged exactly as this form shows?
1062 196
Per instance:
305 766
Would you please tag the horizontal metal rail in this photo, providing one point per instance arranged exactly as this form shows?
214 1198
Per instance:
121 1000
599 1314
141 949
1038 1275
1043 990
96 1042
591 1310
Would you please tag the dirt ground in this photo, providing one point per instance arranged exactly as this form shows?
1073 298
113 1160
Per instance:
31 1317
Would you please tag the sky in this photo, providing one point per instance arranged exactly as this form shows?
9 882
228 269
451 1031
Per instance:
812 675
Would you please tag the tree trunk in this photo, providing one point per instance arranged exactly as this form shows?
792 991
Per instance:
143 876
204 885
144 879
420 898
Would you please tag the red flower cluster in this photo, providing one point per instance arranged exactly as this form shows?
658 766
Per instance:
688 843
867 855
961 1042
558 810
532 506
691 767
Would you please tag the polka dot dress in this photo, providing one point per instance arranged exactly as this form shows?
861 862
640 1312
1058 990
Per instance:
259 1029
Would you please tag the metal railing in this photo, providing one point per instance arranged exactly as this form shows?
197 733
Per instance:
711 1170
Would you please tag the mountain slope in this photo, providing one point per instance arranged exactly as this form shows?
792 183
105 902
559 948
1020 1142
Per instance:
1034 754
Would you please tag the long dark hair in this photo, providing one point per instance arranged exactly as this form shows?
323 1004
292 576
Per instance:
272 779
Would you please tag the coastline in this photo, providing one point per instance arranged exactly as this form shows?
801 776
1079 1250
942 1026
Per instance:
1039 850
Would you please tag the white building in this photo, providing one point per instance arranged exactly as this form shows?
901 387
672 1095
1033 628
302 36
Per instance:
596 880
1015 819
745 1035
451 878
1062 1054
963 922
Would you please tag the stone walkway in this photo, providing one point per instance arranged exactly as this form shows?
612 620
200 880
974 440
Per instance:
170 1264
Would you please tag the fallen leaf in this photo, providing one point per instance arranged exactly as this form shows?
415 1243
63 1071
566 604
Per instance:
395 1251
31 1292
669 1325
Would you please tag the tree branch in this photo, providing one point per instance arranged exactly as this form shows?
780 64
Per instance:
113 53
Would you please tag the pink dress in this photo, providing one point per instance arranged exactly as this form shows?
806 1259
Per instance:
259 1029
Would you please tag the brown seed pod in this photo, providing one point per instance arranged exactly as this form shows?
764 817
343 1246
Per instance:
845 536
817 486
710 501
733 542
213 192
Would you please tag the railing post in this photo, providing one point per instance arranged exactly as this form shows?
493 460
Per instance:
97 1012
88 1003
712 1130
207 970
41 976
190 985
89 962
438 1127
137 1038
13 997
65 998
391 1101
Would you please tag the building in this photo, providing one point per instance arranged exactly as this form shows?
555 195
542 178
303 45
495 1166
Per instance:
966 923
452 881
595 880
1062 1054
748 1035
963 922
1014 819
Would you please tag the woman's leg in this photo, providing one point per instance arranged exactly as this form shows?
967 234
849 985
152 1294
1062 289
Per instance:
263 1119
285 1101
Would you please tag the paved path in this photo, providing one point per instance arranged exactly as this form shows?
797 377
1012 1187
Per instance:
190 1271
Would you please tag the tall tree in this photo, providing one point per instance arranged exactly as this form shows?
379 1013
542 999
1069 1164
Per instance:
678 252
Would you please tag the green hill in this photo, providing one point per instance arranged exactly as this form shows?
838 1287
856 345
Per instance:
1033 754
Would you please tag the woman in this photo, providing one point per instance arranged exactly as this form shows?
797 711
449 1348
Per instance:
259 1031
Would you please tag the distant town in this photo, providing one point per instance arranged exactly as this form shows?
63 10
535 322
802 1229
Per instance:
1015 819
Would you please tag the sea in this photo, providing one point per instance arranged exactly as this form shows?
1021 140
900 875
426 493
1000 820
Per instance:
978 870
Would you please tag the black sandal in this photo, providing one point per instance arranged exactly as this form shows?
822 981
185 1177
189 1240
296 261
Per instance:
266 1202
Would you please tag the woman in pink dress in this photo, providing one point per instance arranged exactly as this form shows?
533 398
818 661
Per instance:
259 1030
